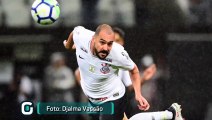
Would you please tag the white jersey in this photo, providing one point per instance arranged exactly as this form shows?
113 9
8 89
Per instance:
125 77
99 78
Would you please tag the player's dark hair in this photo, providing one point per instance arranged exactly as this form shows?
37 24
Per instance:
119 31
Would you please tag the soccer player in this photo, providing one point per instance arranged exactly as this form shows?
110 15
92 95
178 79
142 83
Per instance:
125 77
123 74
99 59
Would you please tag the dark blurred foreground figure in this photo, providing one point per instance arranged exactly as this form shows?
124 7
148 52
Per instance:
19 90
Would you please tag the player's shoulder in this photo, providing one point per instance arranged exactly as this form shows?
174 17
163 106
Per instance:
117 46
78 28
116 51
82 29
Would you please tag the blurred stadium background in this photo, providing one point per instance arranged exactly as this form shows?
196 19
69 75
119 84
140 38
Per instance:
176 33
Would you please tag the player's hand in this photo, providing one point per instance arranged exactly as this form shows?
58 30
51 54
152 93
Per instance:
73 47
66 46
142 103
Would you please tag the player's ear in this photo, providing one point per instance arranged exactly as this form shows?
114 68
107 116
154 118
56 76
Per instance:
94 38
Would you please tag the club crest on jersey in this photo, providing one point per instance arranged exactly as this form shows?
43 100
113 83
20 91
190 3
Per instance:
105 68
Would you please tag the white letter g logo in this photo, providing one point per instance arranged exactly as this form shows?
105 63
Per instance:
26 108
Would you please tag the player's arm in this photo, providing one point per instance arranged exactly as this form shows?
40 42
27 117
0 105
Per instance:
122 59
136 81
69 43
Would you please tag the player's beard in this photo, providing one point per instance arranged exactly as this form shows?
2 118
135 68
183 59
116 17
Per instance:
99 52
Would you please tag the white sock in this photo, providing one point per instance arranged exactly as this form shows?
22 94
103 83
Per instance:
161 115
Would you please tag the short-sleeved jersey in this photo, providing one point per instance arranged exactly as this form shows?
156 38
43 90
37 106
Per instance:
99 78
125 77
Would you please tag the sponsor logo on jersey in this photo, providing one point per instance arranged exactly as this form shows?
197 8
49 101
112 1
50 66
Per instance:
124 54
105 68
83 49
116 94
98 99
91 68
81 57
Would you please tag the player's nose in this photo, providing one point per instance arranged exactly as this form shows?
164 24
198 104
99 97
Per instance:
105 47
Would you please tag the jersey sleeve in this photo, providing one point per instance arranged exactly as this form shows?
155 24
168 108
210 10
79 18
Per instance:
125 77
81 36
121 58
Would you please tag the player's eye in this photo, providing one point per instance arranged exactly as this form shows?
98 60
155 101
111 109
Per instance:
110 44
102 42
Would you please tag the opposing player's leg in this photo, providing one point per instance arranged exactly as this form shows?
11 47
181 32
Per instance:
172 113
162 115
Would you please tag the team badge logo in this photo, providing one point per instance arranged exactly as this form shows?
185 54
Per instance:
105 68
